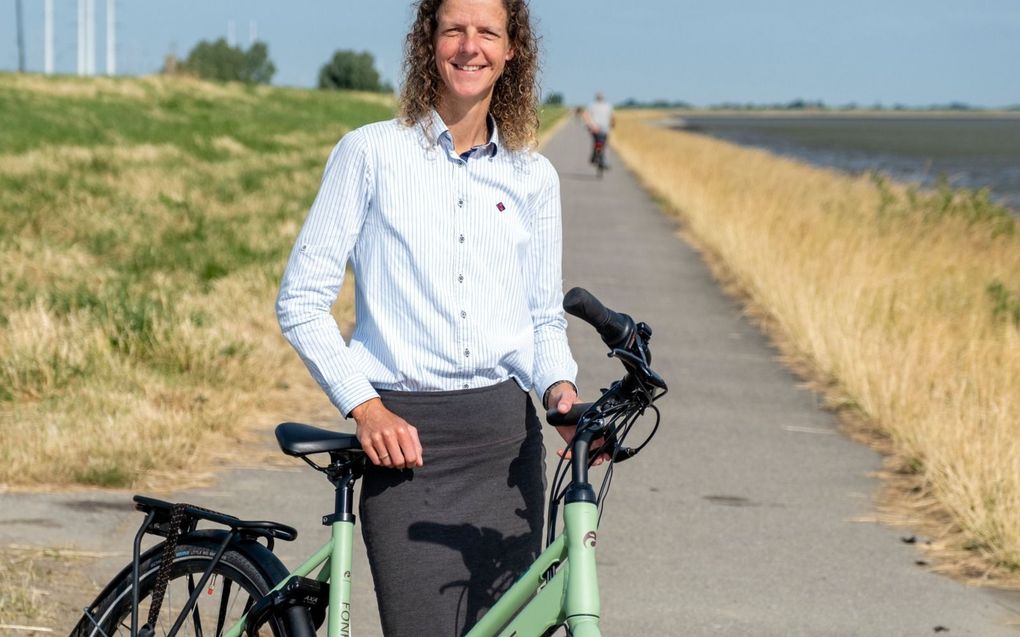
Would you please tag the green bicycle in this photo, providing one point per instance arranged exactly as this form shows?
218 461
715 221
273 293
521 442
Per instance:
226 581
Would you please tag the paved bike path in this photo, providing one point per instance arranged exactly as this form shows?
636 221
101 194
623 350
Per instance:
739 519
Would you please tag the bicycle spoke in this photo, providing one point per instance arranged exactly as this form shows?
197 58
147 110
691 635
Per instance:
194 610
224 597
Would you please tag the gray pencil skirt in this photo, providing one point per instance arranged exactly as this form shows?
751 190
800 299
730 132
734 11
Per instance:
446 540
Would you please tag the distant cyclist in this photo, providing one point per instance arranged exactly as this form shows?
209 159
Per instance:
598 117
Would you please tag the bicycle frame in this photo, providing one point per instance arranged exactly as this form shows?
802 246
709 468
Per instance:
561 586
335 559
598 151
533 605
530 607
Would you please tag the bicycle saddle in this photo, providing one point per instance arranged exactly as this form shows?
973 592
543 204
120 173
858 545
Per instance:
297 439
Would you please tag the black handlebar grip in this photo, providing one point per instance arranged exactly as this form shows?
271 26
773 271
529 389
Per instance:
614 328
557 419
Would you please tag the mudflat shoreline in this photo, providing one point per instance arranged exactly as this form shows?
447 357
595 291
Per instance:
964 149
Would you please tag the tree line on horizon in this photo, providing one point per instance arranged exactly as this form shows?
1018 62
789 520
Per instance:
220 61
804 105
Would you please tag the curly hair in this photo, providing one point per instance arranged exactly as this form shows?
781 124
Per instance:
514 103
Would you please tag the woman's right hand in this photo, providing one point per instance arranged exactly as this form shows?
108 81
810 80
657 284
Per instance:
388 440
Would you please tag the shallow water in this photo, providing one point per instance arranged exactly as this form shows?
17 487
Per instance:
972 151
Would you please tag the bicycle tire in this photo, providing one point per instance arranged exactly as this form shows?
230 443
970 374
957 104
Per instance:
246 569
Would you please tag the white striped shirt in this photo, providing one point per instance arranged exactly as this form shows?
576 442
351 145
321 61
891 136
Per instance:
456 262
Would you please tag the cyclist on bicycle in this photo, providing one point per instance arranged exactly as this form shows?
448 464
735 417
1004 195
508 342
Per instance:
599 118
452 226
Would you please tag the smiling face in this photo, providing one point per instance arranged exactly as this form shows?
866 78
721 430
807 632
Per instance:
472 47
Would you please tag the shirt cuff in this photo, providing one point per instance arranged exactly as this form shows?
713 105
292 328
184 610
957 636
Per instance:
545 394
350 393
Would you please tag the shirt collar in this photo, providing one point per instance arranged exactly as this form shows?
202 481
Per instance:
443 137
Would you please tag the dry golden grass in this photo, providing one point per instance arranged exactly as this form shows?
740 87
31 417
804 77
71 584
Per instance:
77 87
140 88
905 306
129 424
35 584
20 600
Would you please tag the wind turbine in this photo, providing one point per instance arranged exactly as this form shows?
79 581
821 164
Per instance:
90 37
81 37
48 38
111 37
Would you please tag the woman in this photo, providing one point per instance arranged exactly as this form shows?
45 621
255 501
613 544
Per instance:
452 226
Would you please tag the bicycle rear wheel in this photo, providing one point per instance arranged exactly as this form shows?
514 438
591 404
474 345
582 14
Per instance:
600 161
244 574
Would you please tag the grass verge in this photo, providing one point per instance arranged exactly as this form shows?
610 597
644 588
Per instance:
34 583
19 599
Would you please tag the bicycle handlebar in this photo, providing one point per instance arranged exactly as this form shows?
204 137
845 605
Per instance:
628 341
616 330
605 423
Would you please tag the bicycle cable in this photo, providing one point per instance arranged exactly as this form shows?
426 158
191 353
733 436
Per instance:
620 419
608 479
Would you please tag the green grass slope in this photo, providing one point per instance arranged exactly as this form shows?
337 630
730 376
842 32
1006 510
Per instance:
144 224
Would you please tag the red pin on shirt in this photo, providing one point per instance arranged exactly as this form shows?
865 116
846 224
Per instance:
500 206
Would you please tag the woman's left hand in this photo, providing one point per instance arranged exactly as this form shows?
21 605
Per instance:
563 397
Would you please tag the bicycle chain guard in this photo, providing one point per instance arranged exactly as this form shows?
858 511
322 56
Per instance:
298 591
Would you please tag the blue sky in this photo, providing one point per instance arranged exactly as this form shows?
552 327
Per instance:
912 52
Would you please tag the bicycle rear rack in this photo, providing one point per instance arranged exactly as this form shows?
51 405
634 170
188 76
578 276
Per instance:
171 520
162 512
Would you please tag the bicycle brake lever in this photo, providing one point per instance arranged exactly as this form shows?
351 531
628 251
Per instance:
624 453
617 452
640 367
654 378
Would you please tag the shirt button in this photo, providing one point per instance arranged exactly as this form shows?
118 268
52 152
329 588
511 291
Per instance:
461 238
460 279
460 203
463 314
466 385
467 353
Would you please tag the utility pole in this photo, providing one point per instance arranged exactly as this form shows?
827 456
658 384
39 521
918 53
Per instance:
48 37
21 36
111 37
